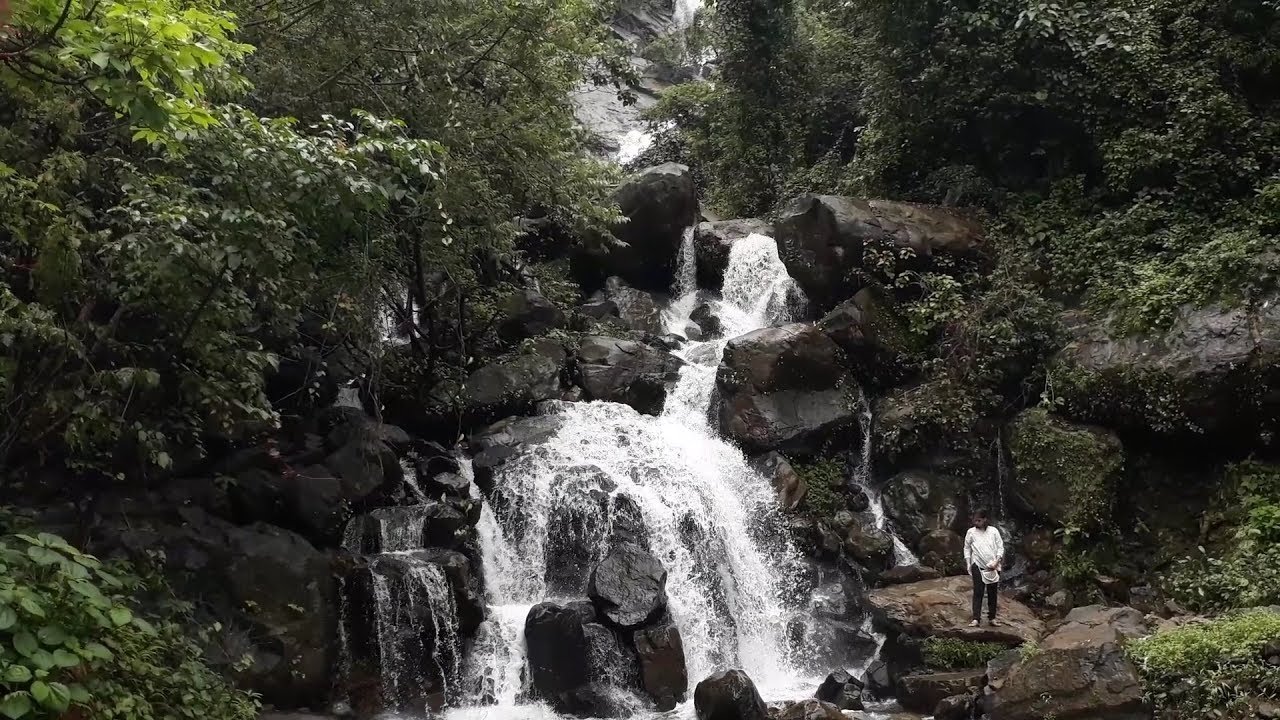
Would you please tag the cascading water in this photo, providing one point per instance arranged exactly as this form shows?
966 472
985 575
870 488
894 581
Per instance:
902 555
702 506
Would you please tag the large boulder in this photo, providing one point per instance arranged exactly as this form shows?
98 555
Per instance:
942 608
922 692
663 673
874 335
576 663
513 385
943 549
528 313
1214 374
870 546
367 467
920 502
791 488
785 388
824 241
659 204
728 695
1062 472
808 709
639 310
626 372
841 689
506 440
1079 672
713 241
629 586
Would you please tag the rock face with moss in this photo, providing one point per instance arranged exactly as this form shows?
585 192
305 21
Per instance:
785 388
872 331
1064 472
827 241
1215 372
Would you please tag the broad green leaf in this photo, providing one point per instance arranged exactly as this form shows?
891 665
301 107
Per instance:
31 607
40 691
25 643
120 615
65 658
15 705
7 617
16 674
51 635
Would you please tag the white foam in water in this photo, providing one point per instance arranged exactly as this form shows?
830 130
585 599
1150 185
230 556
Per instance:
699 499
632 144
902 555
685 12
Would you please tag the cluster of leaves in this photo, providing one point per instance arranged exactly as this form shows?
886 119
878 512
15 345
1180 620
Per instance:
72 644
1211 669
825 478
956 654
1247 574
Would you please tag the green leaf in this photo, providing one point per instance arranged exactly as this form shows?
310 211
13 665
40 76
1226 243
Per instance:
7 617
97 650
80 695
65 659
16 674
25 643
100 59
120 615
15 705
51 635
59 697
40 691
31 606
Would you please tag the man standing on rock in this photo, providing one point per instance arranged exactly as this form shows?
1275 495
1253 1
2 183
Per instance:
984 556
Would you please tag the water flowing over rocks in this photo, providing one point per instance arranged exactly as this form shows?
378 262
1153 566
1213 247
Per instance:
784 388
822 240
713 241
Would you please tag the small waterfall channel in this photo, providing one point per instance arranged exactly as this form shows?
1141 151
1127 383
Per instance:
733 578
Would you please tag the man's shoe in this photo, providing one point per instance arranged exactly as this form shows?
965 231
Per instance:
992 622
974 624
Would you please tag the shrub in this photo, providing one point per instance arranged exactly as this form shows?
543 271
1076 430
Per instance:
955 654
74 644
825 479
1211 669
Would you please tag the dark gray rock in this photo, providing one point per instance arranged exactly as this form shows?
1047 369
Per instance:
663 674
785 388
791 488
496 445
955 707
659 204
526 314
822 239
639 310
919 502
575 661
704 317
842 690
870 546
902 574
878 681
922 692
626 372
810 709
728 695
875 336
515 384
629 586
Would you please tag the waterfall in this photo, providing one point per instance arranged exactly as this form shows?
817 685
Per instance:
704 510
686 11
902 555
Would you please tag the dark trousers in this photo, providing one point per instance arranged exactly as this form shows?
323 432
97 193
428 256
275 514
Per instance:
980 587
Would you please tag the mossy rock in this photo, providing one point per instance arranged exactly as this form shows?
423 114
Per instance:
1064 472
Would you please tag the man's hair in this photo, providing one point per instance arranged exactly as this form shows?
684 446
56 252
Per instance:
980 513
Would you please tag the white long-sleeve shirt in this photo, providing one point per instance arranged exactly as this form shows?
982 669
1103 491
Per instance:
982 547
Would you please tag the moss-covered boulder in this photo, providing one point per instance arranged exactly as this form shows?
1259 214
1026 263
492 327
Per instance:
1064 472
1215 374
875 336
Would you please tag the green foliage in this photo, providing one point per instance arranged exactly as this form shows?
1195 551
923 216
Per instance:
825 479
73 643
1247 574
153 62
956 654
1209 669
1085 461
1075 567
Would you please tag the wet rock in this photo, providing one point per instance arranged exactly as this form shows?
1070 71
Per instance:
359 427
572 657
629 587
791 488
1059 602
663 674
712 242
639 310
659 204
842 690
626 372
810 709
728 695
923 692
526 314
920 502
878 680
1054 459
310 500
365 466
784 388
942 608
1213 376
1081 671
902 574
956 707
599 310
822 240
874 336
869 545
708 323
515 384
943 549
505 440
